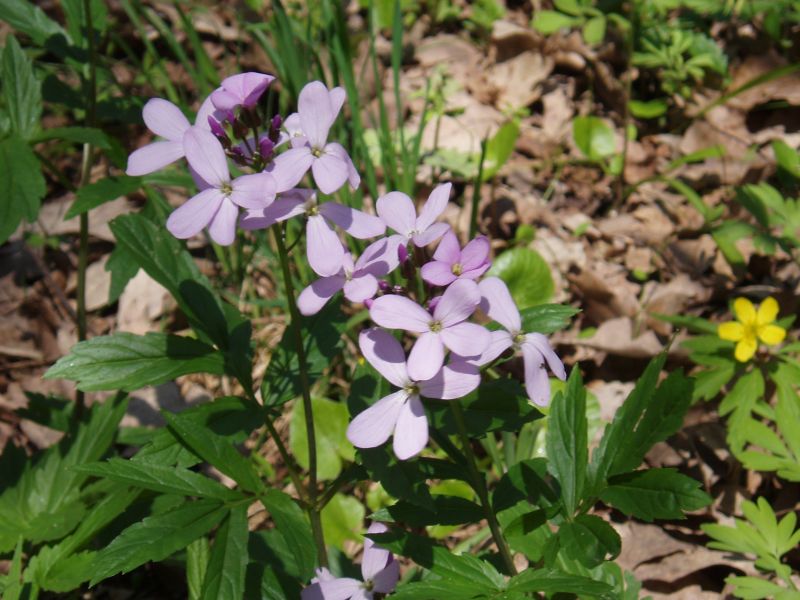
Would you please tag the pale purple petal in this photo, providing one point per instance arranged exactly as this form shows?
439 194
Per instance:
458 302
289 167
374 559
242 89
206 156
466 339
282 209
353 178
294 132
152 157
253 191
312 592
437 273
380 257
313 298
342 588
207 109
386 579
355 222
397 210
411 431
222 228
225 100
434 206
371 428
194 214
399 312
316 118
543 346
361 287
475 273
426 356
475 254
496 302
163 118
337 97
362 594
536 382
323 248
449 250
499 342
430 235
455 380
330 172
385 354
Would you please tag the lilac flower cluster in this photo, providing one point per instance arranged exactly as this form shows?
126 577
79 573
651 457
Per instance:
449 348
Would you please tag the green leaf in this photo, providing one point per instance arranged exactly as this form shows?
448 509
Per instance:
547 318
525 481
341 520
527 275
654 494
499 149
649 109
567 441
787 158
123 268
157 537
589 540
330 427
22 185
550 21
21 90
130 362
100 192
55 573
228 562
727 235
552 581
448 510
197 555
593 137
594 30
79 135
216 450
738 403
753 588
292 524
31 20
159 478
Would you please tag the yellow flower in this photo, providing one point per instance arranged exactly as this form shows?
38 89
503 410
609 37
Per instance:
751 326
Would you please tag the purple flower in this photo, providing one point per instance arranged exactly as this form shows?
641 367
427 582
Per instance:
398 212
243 89
450 262
164 119
329 162
496 302
378 568
444 328
359 280
401 413
324 250
217 203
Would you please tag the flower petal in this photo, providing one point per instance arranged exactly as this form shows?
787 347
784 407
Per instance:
449 250
355 222
313 298
222 228
411 431
289 167
163 118
352 174
536 382
732 331
746 348
316 114
542 344
438 273
475 254
399 312
330 172
771 334
373 427
767 311
337 97
430 235
374 558
466 339
153 157
194 214
253 191
280 210
499 342
242 89
397 210
361 287
385 354
206 110
206 156
745 311
342 588
475 273
380 257
458 303
426 357
455 380
323 248
434 206
386 579
496 302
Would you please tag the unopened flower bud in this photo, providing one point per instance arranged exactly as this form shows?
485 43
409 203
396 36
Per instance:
384 286
402 253
277 121
266 146
433 302
216 128
368 303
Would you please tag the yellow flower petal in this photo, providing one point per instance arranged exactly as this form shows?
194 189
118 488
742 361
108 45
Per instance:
771 334
731 331
745 311
745 349
767 311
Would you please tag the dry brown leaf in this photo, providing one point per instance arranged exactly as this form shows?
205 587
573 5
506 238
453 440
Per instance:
140 304
517 81
616 336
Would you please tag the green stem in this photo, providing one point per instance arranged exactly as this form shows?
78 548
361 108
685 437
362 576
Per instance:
294 313
479 483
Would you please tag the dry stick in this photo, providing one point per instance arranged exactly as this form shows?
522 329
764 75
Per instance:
313 509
